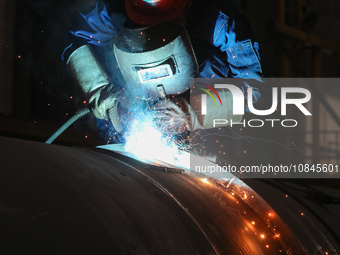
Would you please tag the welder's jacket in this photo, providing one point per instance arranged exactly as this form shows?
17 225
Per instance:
221 36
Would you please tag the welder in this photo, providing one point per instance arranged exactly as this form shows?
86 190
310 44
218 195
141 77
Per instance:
148 49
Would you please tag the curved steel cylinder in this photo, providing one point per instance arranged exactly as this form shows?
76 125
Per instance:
63 200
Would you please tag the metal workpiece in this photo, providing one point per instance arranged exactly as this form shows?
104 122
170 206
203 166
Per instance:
62 200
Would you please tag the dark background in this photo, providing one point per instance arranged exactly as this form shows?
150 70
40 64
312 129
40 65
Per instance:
41 95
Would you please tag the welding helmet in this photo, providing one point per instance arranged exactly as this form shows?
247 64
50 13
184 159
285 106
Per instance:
150 12
156 61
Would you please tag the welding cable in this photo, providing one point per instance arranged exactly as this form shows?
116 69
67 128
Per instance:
81 113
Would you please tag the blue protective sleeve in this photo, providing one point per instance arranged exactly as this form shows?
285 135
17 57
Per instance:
101 30
242 55
234 51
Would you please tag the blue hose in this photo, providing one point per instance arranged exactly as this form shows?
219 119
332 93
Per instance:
68 123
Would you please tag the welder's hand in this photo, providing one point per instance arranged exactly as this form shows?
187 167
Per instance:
173 115
104 104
